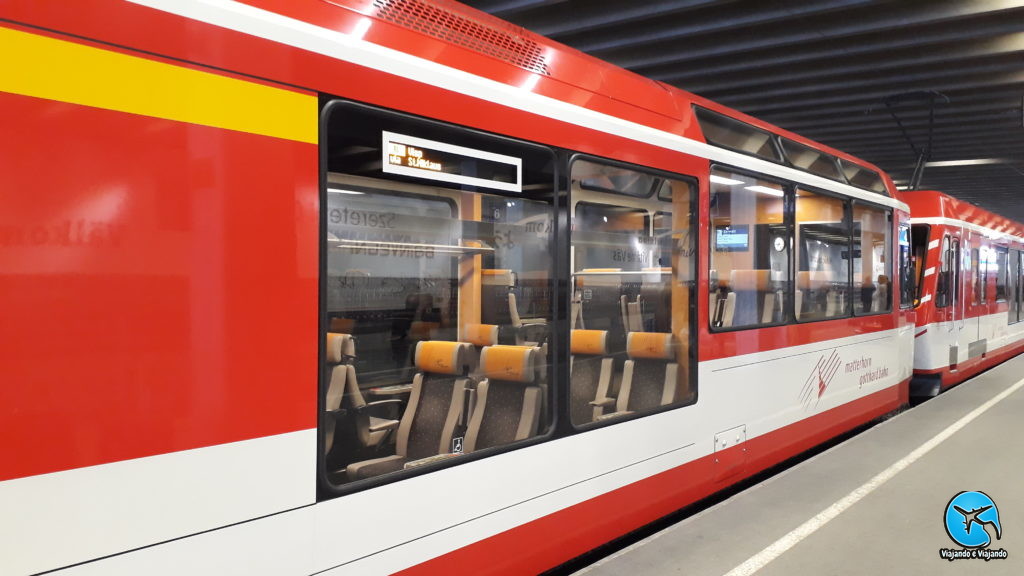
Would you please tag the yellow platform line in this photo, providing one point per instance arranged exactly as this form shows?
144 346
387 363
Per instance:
44 67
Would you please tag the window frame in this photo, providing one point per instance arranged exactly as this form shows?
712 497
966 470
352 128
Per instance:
779 157
694 340
839 175
848 216
329 105
882 192
889 253
788 216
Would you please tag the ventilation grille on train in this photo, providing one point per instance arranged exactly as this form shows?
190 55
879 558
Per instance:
446 25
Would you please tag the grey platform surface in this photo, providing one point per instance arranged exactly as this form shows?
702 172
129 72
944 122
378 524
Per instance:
896 529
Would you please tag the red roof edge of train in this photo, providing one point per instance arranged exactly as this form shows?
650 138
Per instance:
583 71
935 204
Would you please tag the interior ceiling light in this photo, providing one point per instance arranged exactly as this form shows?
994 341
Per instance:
765 190
727 181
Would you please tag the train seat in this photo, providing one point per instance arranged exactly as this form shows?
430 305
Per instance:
435 409
338 347
590 375
478 336
650 376
508 399
372 426
654 305
755 302
499 301
603 305
880 298
812 293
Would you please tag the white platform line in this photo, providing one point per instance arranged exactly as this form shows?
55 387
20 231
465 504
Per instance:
780 546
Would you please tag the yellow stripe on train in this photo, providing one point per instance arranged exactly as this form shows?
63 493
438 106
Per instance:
44 67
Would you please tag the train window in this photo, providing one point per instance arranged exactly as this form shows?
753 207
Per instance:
749 251
437 286
947 265
863 177
633 280
959 260
1013 285
908 276
872 265
977 275
735 135
810 160
823 256
919 234
999 267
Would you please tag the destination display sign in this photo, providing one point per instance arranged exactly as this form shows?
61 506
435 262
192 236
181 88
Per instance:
443 162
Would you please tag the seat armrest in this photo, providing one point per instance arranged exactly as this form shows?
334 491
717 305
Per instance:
386 425
532 334
613 415
397 389
429 460
388 409
379 403
603 402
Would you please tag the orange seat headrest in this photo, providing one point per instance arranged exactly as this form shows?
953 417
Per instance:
654 345
508 363
441 357
589 342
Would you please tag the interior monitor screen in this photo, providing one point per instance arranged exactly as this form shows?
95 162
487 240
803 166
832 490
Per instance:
732 238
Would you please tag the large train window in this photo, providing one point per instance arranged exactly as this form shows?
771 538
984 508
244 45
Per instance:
438 261
633 277
749 251
872 263
823 256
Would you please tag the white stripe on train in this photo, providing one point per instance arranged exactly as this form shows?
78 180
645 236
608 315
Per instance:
351 48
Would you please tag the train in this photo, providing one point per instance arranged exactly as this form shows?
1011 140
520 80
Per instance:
397 287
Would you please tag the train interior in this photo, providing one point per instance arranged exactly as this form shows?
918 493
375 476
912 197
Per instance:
440 251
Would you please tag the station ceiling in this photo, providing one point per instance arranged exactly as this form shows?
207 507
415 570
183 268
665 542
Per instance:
834 71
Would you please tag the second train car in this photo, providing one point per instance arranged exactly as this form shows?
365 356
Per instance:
968 300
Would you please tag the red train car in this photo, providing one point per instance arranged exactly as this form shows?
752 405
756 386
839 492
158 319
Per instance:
379 286
968 265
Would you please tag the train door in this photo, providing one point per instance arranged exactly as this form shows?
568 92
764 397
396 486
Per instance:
957 300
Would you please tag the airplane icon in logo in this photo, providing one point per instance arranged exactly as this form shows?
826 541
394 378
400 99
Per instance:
971 517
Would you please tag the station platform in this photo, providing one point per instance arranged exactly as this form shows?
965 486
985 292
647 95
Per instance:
873 504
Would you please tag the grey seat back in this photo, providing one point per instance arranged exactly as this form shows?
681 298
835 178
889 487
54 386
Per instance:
508 402
590 375
649 378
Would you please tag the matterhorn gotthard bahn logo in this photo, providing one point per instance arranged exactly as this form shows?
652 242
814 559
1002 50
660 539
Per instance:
972 522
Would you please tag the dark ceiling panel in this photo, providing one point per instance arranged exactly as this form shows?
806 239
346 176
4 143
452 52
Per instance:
822 68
